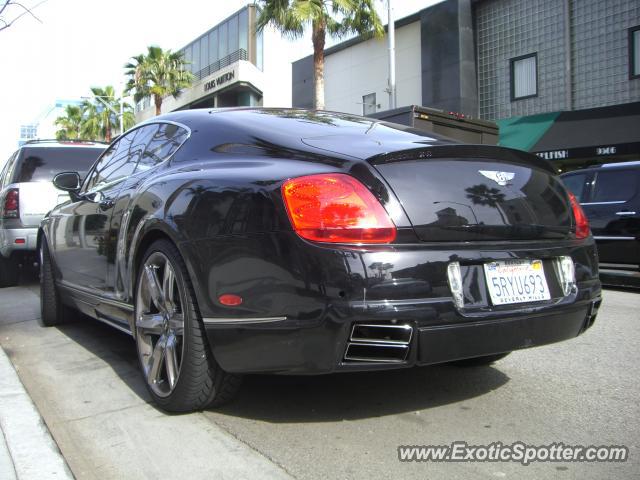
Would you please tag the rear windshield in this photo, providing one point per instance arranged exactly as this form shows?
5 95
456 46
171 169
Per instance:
42 164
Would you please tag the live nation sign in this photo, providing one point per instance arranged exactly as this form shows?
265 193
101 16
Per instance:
219 81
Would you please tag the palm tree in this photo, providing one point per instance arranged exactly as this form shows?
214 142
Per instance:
335 17
157 74
483 195
70 123
100 121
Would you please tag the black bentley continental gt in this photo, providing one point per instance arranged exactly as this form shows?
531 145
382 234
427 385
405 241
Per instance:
305 242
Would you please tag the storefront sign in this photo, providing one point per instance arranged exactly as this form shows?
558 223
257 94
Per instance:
554 154
219 81
606 150
590 152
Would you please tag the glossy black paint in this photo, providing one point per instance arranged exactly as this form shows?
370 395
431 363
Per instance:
218 198
610 197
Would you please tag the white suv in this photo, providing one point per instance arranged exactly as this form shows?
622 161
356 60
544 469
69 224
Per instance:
27 194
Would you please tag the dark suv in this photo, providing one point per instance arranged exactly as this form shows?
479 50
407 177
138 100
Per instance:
27 194
610 196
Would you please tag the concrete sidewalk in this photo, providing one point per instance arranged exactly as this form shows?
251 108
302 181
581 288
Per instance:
85 381
27 450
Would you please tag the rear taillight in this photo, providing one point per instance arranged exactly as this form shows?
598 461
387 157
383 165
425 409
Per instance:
336 208
10 206
582 224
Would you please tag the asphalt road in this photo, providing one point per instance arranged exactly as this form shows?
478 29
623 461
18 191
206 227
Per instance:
84 379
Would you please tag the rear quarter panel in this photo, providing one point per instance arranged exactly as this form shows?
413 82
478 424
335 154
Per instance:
227 199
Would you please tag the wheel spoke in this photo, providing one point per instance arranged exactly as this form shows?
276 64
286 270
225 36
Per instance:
171 360
160 323
150 323
157 358
176 324
168 286
155 290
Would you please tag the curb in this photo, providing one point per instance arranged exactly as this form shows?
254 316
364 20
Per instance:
32 452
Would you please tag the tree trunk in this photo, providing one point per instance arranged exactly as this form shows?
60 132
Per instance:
107 132
318 37
158 101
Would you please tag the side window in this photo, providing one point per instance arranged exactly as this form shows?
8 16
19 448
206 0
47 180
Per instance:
4 178
575 183
11 167
116 164
618 186
164 143
140 142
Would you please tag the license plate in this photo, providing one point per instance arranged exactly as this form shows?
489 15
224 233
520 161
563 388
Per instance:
516 281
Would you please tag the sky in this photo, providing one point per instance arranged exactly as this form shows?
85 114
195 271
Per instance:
76 44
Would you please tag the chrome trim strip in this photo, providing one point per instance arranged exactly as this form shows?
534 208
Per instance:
386 345
83 291
604 203
362 340
393 303
241 321
379 343
613 238
373 359
383 325
111 323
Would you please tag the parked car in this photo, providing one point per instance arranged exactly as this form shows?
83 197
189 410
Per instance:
306 242
26 194
610 197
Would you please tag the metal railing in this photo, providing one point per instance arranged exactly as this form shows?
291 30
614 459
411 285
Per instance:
233 57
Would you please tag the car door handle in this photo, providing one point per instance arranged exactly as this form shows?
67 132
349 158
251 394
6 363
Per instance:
106 204
625 212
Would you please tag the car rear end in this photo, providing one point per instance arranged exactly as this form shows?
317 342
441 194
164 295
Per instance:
29 193
417 257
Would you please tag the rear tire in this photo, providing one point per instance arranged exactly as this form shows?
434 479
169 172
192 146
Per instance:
480 361
177 364
52 310
9 272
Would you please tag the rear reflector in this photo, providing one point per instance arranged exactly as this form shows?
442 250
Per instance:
20 241
582 223
10 204
230 300
336 208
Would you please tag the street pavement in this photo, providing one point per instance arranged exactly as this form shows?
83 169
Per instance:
84 380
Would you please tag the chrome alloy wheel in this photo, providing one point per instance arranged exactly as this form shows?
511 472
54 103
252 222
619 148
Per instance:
160 323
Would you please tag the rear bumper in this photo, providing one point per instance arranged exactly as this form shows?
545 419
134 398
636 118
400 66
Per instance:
301 302
290 346
454 342
18 239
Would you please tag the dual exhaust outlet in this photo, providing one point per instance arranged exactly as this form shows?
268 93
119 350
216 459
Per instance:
378 343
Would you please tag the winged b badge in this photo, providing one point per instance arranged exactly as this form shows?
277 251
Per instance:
501 178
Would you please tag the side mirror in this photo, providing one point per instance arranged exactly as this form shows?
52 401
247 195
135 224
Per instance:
67 181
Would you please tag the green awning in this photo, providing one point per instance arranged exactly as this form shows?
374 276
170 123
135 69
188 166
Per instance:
523 133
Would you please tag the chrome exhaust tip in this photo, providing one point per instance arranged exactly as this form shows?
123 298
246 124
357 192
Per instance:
378 343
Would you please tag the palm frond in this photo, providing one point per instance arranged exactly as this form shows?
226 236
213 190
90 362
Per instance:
158 73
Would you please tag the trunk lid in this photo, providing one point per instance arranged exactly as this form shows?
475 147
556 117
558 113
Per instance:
466 193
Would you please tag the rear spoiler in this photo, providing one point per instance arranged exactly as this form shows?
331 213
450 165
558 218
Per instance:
465 151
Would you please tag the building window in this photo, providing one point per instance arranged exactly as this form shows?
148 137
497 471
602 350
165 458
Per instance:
368 104
634 52
524 76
